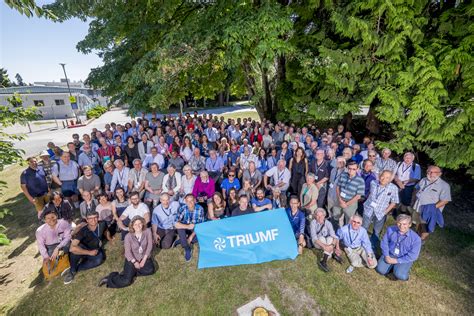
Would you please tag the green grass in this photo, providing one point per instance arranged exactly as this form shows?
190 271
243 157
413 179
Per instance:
441 281
242 114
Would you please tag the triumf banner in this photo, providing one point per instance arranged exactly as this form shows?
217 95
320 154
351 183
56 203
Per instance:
246 239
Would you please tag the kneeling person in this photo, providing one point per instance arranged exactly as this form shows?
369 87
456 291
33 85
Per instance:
163 221
400 249
298 222
188 216
356 244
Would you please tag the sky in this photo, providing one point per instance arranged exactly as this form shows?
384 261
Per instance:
34 47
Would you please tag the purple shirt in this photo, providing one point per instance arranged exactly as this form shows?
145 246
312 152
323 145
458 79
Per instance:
204 189
45 235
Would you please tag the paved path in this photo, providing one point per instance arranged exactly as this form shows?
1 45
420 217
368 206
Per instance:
36 142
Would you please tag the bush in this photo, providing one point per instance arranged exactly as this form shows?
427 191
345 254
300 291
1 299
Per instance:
96 112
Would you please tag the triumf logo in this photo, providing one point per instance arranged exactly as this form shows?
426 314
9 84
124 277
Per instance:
245 239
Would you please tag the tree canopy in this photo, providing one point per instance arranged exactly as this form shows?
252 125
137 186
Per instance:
410 62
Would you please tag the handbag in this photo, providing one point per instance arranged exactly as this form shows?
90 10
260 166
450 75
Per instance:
52 269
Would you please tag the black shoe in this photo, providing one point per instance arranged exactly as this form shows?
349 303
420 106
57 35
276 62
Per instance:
323 265
391 277
176 243
103 282
337 258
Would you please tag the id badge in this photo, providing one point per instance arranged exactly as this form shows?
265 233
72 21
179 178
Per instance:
396 251
373 204
331 185
140 250
343 195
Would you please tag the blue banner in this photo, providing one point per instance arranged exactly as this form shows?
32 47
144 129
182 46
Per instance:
246 239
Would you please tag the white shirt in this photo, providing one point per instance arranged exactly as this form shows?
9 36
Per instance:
280 176
403 171
131 211
158 159
188 184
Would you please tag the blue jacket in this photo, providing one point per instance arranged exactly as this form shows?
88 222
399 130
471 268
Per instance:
432 216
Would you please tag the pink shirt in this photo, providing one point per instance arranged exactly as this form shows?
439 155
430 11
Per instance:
45 235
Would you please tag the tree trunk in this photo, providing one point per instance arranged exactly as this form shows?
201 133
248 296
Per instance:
347 121
221 98
373 123
227 95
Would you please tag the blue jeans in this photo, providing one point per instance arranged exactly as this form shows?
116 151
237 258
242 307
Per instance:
85 262
400 270
378 226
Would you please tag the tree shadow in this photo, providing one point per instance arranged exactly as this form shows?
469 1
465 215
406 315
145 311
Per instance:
4 280
19 250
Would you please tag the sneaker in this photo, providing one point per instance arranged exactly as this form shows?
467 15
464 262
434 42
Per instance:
188 254
68 277
350 269
176 243
65 271
337 258
323 265
103 282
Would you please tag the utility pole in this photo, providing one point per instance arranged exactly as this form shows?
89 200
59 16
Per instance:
69 88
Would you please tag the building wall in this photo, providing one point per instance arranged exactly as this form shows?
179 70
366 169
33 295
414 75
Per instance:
55 105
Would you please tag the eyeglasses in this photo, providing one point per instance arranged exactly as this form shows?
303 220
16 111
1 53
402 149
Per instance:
372 156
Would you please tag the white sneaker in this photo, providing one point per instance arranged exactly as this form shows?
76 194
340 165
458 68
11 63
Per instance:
350 269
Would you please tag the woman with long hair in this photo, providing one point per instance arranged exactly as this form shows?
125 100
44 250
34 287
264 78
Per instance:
298 168
131 150
216 206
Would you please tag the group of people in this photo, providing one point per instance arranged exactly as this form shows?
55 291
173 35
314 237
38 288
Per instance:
150 181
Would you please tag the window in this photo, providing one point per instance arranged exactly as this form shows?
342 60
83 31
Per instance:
38 102
59 102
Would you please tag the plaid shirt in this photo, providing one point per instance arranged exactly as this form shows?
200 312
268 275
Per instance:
186 217
388 164
379 199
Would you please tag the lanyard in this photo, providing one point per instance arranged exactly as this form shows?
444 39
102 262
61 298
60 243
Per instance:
280 175
166 211
121 176
400 241
405 169
350 236
427 186
274 161
322 226
214 165
379 192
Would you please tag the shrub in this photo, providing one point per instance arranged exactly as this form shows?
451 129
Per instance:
96 112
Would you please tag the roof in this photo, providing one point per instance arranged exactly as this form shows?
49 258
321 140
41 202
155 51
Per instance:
46 89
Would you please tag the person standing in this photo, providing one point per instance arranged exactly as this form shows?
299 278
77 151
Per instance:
407 175
432 195
65 174
34 185
382 199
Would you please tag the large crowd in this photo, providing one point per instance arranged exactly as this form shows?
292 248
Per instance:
150 181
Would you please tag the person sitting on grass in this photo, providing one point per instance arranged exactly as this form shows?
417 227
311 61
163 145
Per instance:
86 250
136 208
163 221
356 244
59 205
138 246
297 220
188 216
243 208
324 237
400 249
53 237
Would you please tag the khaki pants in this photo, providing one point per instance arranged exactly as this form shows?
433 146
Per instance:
40 202
325 240
358 257
348 212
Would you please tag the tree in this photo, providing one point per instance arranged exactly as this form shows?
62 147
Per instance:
4 80
11 115
19 80
409 62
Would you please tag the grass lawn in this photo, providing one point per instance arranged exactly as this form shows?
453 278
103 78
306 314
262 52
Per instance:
441 281
242 114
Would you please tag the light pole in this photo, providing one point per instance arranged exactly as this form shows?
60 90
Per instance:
69 88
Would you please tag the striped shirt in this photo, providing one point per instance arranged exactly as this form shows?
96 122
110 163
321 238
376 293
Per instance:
350 187
380 198
383 164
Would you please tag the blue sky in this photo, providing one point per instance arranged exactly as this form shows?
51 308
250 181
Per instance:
34 47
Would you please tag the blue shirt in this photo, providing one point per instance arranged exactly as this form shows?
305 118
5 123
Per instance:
214 165
409 245
298 221
233 157
186 216
368 178
355 238
35 181
165 218
227 185
259 203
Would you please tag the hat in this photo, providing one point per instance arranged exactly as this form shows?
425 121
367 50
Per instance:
44 153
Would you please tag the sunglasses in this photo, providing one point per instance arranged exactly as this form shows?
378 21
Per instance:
231 175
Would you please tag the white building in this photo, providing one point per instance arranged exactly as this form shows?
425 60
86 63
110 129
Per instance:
53 102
